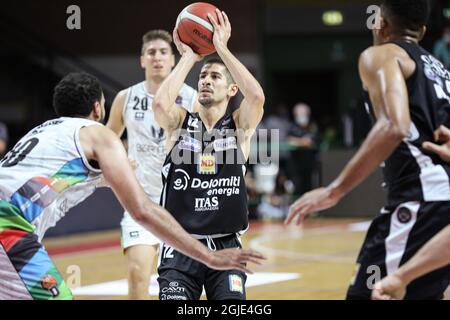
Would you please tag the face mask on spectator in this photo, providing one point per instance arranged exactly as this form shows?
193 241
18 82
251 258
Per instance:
302 120
447 38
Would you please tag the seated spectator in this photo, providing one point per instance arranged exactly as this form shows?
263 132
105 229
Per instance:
275 205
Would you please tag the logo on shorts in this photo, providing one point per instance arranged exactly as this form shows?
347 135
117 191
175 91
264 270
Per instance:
174 291
49 283
236 284
404 215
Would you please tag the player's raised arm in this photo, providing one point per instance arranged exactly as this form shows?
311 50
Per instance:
167 113
115 120
101 144
383 75
251 110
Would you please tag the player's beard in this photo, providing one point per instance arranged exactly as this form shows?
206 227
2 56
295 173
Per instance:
206 102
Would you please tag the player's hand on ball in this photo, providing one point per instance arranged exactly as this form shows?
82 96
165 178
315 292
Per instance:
184 49
222 28
234 258
389 288
442 135
310 202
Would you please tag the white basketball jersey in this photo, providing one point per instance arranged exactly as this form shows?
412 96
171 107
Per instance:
146 139
46 174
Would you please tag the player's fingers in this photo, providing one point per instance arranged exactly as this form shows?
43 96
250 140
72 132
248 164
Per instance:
175 34
439 150
226 20
213 21
294 211
378 295
442 134
242 268
253 260
220 17
291 215
256 254
300 219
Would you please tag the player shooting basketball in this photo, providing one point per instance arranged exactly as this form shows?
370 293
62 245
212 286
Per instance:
208 197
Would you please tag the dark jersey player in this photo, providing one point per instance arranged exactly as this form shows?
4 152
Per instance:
203 174
407 95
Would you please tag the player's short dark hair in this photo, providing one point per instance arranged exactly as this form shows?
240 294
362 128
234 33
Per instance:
406 14
219 61
76 94
157 34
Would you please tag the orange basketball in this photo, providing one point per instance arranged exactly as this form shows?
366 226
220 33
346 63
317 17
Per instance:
194 28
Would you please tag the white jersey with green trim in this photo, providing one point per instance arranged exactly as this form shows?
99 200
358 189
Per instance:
47 173
146 139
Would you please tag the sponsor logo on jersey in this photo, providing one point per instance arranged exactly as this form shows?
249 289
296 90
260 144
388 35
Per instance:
236 283
215 187
182 182
48 282
134 234
179 100
404 215
190 144
206 204
207 164
139 116
225 144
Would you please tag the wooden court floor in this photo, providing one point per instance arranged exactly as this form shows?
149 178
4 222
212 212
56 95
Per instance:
312 262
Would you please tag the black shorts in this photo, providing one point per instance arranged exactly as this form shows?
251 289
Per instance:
182 278
393 238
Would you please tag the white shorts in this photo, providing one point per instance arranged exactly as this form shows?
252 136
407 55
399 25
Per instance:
134 234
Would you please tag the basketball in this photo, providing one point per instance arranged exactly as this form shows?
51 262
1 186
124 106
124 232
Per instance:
194 28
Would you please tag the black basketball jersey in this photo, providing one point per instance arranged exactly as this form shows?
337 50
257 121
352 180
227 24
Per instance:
203 178
411 173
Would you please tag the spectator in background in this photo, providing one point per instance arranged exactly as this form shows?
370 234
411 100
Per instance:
442 48
3 139
279 120
304 138
275 205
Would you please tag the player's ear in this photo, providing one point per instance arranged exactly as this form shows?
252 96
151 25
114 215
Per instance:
422 32
233 89
385 28
142 61
97 111
379 27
